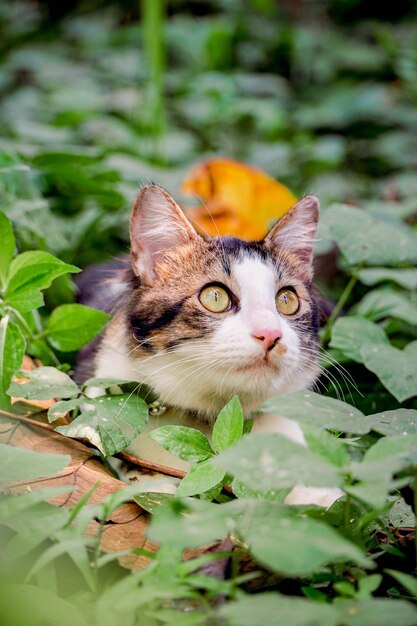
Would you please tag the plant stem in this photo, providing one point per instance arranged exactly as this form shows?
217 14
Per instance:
338 308
154 49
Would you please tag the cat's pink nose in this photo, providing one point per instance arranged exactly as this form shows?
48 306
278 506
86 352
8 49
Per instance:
267 337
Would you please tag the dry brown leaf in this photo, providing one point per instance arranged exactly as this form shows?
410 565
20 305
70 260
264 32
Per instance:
239 199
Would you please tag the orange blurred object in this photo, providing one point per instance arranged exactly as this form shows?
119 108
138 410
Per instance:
239 199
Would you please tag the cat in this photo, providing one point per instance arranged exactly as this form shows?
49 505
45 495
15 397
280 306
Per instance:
201 319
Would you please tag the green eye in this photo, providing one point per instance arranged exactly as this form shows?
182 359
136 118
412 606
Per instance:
214 299
287 302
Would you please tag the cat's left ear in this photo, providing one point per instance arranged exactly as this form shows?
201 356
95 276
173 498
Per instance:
295 231
157 224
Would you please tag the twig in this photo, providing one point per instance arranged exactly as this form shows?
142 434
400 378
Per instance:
28 420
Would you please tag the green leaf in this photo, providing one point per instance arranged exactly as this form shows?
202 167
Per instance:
71 326
402 448
201 478
397 422
60 409
321 411
350 334
325 445
32 604
12 351
263 608
406 278
351 228
19 463
8 245
228 427
408 582
188 444
294 546
109 422
34 270
25 301
387 302
396 369
267 461
45 383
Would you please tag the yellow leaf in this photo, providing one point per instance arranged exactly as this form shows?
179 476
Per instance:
238 199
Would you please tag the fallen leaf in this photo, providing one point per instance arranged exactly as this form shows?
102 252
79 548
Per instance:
237 199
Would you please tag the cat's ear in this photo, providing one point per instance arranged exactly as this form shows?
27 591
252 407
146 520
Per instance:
296 230
156 224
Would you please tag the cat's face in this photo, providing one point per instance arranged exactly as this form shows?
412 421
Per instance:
211 318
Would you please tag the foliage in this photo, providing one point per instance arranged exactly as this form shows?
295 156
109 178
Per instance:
338 118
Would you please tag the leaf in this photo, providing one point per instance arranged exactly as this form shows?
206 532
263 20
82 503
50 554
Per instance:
321 411
263 608
403 449
350 334
228 427
71 326
8 245
387 302
408 582
406 278
396 369
34 270
44 383
325 445
60 409
237 199
18 463
294 546
25 301
201 478
109 422
397 422
29 604
188 444
351 228
12 351
266 461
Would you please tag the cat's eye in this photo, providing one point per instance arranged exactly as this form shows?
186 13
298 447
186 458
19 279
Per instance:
287 302
215 299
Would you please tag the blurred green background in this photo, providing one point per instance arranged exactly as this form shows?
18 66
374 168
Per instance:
96 97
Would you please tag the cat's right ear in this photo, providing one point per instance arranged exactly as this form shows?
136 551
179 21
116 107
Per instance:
157 223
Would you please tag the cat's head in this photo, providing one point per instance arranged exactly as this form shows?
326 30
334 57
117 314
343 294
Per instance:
208 318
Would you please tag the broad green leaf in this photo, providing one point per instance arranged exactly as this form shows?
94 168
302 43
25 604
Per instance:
60 409
109 422
35 270
408 582
19 463
25 301
397 422
406 278
267 461
351 228
264 608
8 245
105 383
31 604
403 449
71 326
350 334
373 493
12 351
228 427
294 546
326 445
387 302
396 369
44 383
151 501
201 478
312 408
188 444
270 609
